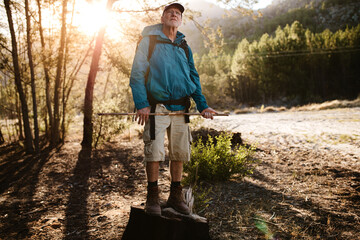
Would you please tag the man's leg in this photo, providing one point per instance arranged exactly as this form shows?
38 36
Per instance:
152 171
176 169
179 151
154 153
176 198
152 200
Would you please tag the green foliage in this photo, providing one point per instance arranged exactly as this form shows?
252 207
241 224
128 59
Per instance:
297 63
112 95
218 162
293 66
106 127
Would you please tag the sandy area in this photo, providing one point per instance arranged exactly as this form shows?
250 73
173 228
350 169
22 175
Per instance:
336 130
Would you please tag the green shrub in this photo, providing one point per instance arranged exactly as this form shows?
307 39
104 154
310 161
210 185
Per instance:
106 128
218 162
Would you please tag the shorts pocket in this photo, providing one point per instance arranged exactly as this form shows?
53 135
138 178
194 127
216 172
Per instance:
190 136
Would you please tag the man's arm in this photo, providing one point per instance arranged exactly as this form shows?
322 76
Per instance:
198 97
137 81
137 77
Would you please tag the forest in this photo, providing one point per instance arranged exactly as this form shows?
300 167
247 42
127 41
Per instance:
294 66
44 66
282 164
46 60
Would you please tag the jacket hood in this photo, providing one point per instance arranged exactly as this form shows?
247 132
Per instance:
157 30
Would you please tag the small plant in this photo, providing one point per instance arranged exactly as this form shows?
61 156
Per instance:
197 198
218 162
104 130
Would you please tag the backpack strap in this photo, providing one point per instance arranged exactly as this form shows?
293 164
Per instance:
182 45
152 43
185 46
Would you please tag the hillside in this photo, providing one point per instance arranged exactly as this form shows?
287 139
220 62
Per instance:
317 15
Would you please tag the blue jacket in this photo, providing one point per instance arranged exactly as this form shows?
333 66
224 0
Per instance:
171 76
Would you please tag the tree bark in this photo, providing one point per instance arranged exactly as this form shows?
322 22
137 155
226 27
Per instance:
19 116
32 75
46 71
63 122
88 102
2 140
25 113
55 133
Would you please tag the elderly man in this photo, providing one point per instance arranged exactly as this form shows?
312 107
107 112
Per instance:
163 78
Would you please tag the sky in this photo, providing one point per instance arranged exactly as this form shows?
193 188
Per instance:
262 4
259 5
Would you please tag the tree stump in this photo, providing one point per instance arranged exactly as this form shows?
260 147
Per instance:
170 226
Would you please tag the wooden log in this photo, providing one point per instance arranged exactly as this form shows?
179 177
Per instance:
179 227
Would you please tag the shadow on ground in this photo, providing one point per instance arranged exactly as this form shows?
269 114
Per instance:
19 176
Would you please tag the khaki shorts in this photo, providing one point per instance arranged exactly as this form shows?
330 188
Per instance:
178 133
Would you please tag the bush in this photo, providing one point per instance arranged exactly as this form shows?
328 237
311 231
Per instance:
105 128
218 162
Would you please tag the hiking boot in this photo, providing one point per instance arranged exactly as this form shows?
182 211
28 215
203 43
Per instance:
176 200
152 205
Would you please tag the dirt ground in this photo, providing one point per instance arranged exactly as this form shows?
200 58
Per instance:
306 186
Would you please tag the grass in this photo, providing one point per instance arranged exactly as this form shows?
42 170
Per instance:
309 107
329 105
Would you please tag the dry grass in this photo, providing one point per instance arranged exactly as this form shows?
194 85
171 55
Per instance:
262 109
309 107
244 110
272 109
329 105
295 194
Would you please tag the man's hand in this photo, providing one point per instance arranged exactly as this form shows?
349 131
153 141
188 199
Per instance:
142 115
208 113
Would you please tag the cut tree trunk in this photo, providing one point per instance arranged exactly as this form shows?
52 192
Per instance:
176 227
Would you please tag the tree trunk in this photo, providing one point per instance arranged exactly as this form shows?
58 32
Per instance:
55 133
46 72
2 140
63 121
25 114
18 114
32 75
88 103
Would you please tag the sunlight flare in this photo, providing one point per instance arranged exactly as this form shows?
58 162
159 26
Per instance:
91 16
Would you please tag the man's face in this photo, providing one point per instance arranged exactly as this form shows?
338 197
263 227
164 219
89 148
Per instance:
172 17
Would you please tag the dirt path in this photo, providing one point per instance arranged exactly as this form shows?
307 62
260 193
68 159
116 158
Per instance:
334 131
308 183
306 186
